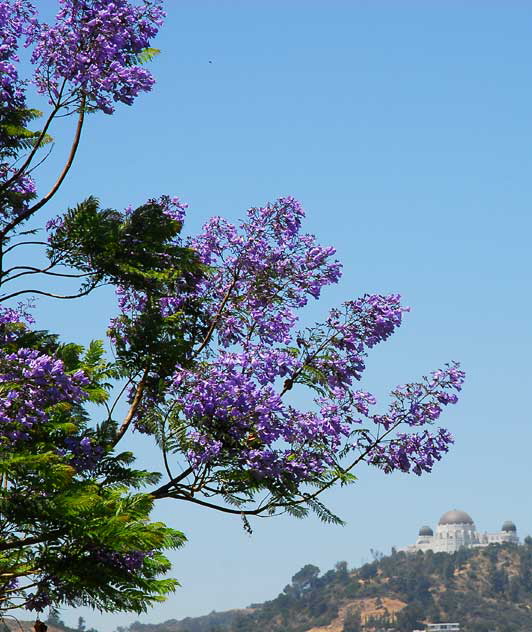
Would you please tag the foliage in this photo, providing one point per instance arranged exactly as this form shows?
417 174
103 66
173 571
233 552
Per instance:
84 538
207 353
352 622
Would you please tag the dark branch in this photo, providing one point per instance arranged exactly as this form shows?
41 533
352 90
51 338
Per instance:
17 544
32 153
49 294
216 318
25 243
162 491
45 271
203 503
33 209
133 408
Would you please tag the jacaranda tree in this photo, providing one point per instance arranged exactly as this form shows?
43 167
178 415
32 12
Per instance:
207 352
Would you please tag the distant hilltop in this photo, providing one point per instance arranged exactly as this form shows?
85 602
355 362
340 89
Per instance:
457 530
482 588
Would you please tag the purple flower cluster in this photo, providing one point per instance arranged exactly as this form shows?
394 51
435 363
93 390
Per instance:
232 400
129 562
83 452
92 56
263 272
54 224
33 383
336 350
415 405
51 590
21 192
172 207
14 316
238 415
16 21
94 46
38 601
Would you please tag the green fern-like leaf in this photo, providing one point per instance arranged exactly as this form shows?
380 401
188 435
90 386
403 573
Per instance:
147 55
324 513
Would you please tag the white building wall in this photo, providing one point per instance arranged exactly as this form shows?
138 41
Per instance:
449 538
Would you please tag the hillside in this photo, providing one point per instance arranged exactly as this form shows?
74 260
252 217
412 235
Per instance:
12 624
488 589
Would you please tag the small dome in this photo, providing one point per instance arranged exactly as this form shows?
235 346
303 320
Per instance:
509 526
455 516
426 531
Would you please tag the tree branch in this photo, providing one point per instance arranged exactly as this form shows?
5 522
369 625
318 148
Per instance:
33 209
32 270
32 153
25 243
216 318
164 489
203 503
289 382
49 294
133 408
17 544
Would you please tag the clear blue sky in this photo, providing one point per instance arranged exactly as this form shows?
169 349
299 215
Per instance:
405 128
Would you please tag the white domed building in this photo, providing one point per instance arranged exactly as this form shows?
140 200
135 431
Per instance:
457 530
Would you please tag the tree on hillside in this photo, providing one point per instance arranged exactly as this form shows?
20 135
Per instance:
342 571
206 350
410 618
243 623
305 579
352 621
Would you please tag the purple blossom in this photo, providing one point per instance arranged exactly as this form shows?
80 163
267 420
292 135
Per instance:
55 223
94 45
34 383
15 315
172 207
83 452
415 405
232 400
16 21
21 192
416 452
38 601
129 561
267 269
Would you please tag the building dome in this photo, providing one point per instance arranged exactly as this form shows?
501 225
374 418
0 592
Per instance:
509 526
427 531
455 516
